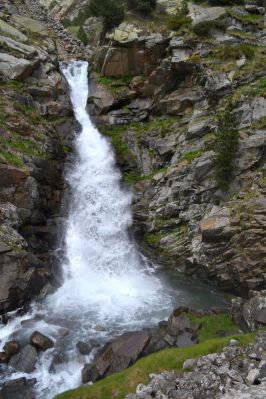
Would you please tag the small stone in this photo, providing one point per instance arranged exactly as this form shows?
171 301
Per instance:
11 348
84 348
189 363
252 376
233 342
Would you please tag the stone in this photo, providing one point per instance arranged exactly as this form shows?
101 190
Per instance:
116 356
253 376
198 127
18 389
25 360
10 31
11 348
15 68
189 363
200 14
84 348
40 341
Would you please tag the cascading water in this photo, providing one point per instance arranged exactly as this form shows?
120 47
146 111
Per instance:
108 286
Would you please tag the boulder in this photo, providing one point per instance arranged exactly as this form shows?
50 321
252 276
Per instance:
11 348
200 14
216 225
84 348
15 68
116 356
41 342
251 313
25 360
10 31
18 389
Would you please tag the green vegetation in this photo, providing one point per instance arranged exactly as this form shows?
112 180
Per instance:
141 6
32 115
82 36
180 19
190 156
235 52
11 158
116 134
249 19
204 28
115 85
119 384
153 239
226 146
213 325
112 12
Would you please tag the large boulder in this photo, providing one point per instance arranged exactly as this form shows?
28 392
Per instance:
15 68
251 313
18 389
25 360
116 356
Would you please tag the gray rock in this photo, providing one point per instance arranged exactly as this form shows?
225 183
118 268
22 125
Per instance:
40 341
15 68
25 360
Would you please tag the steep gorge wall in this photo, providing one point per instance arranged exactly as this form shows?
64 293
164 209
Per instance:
158 97
35 133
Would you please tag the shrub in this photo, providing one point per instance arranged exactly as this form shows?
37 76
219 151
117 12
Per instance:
226 147
176 22
236 52
81 34
142 6
112 12
203 28
225 2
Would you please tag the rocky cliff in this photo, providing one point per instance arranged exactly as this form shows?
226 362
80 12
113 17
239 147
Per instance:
35 126
184 103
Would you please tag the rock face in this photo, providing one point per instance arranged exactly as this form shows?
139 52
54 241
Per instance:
251 314
164 126
234 373
124 350
35 121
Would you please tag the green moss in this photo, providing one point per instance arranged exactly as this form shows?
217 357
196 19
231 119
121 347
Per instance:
242 35
119 384
32 115
20 144
153 239
190 156
11 158
250 19
204 28
235 52
115 85
116 134
213 325
175 22
13 84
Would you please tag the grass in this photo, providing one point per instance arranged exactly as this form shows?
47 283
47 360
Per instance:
119 384
11 158
250 19
190 156
115 85
116 134
153 239
213 325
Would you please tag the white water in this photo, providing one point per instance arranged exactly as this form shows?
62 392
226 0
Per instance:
108 286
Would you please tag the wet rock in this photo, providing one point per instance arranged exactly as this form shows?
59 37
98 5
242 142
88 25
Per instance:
84 348
18 389
11 348
40 341
116 356
25 360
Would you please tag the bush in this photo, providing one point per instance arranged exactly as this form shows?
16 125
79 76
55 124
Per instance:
226 147
203 28
236 52
142 6
82 36
225 3
112 12
176 22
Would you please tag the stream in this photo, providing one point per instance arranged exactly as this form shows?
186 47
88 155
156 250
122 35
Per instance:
109 287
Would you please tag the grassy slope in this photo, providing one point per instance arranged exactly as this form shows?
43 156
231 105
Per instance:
120 384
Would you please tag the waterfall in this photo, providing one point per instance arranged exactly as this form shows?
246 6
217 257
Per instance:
108 286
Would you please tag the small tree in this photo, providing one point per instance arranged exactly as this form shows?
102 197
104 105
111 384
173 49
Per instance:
112 12
142 6
226 147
